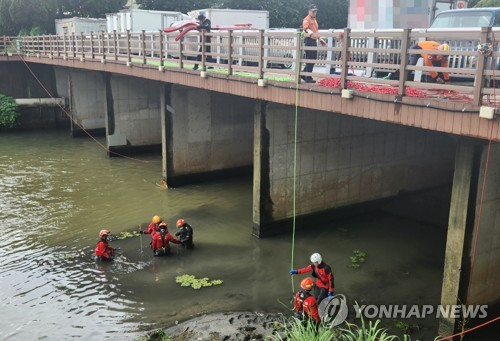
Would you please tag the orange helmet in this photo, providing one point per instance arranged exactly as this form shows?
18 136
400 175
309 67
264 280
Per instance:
103 233
307 283
180 222
156 219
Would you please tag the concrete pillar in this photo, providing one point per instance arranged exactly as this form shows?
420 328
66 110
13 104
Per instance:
457 224
485 251
211 135
341 161
163 120
133 115
261 181
86 91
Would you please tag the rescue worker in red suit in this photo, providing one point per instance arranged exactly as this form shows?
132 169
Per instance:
161 239
185 234
324 277
103 251
305 304
153 227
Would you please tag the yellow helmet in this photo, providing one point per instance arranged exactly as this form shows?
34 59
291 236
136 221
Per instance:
156 219
444 47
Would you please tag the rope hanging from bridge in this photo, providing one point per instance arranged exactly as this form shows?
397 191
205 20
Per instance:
295 133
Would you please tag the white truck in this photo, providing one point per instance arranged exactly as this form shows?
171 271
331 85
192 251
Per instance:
137 20
230 17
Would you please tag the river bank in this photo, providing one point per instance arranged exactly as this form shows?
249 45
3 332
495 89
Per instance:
225 326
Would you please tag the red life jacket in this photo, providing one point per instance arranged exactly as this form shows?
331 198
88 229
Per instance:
323 274
160 241
102 250
305 305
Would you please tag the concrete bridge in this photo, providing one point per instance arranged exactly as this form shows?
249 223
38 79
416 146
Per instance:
353 146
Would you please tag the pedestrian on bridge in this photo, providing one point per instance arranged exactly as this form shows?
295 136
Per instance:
310 28
205 25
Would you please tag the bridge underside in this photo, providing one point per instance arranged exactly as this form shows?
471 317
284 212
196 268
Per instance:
350 154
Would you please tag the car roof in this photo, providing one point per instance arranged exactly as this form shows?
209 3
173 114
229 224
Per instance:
479 9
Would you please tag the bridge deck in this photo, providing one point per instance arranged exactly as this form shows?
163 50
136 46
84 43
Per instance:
451 108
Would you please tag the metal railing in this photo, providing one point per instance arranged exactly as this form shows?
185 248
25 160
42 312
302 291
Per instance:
350 55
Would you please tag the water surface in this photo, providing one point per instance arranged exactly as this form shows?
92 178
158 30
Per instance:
58 192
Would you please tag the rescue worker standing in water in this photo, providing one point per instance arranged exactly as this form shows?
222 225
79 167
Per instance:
160 242
154 226
103 251
185 234
306 307
324 285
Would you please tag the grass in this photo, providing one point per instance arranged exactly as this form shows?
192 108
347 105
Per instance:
295 330
371 332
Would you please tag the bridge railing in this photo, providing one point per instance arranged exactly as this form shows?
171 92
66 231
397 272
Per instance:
349 55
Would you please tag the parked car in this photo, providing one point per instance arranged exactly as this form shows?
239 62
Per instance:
469 17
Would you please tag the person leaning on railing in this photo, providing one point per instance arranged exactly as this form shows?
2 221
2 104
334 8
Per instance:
429 60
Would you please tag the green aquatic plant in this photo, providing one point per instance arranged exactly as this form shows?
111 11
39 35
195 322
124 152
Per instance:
196 283
125 235
358 259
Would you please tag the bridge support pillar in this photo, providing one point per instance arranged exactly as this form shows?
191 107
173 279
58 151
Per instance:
262 205
208 135
457 224
133 115
344 165
472 262
86 91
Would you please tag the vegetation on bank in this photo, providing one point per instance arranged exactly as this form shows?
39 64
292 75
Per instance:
294 329
9 112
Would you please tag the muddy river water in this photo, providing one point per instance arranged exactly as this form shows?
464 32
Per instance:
56 193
